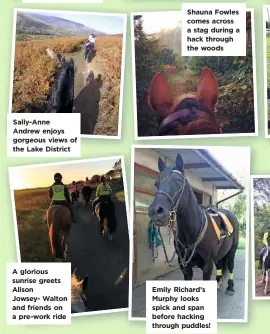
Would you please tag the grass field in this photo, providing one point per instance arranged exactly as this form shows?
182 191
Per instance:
31 206
109 56
34 70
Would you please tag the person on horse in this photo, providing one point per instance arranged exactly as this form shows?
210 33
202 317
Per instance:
266 236
59 194
103 192
74 187
86 182
92 41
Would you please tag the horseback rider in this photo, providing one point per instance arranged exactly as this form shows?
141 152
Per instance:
86 182
92 41
103 192
74 187
266 236
59 194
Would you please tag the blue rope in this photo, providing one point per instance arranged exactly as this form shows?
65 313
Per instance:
153 236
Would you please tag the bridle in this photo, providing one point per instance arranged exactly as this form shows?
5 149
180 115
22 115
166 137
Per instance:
175 200
185 112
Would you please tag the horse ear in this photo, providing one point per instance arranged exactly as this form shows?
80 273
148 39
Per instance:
179 163
83 284
161 165
160 98
208 89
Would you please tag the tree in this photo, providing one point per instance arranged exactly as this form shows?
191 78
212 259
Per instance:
117 167
261 190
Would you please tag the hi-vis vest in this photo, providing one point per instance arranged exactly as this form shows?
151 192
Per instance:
58 192
103 190
86 183
74 187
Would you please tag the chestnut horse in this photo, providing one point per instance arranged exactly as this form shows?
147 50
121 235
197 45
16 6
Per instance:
189 114
59 223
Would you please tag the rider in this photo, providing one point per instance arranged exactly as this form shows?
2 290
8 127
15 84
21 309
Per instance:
59 194
103 191
92 41
86 182
74 188
266 235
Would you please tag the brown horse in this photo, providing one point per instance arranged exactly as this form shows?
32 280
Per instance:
189 114
59 223
105 212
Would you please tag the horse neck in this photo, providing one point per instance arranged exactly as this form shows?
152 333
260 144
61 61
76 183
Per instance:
189 215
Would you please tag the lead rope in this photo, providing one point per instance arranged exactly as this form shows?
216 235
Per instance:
184 261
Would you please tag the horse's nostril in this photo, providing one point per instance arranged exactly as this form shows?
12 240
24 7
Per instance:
159 210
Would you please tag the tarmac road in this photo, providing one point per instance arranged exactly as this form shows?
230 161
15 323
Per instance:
91 254
229 307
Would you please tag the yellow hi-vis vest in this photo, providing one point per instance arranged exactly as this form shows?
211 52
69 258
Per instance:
58 192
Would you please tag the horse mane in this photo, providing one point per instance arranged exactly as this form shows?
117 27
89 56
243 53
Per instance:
75 289
198 126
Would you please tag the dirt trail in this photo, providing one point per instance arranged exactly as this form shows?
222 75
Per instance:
259 286
89 91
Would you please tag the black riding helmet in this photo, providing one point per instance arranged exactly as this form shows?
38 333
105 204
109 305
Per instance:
73 182
86 179
57 176
102 179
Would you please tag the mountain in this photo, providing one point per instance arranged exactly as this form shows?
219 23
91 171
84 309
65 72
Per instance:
38 24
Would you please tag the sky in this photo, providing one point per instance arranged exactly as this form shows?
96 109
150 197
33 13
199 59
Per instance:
155 22
107 24
42 176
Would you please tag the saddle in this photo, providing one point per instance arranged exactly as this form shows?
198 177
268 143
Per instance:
221 223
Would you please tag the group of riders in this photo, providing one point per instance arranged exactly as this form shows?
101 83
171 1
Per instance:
60 195
90 44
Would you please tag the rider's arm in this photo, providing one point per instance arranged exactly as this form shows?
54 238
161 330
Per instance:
50 193
265 237
66 194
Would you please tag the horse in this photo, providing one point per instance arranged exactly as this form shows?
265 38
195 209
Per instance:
79 302
195 239
62 96
86 192
89 52
189 114
74 196
266 267
105 212
59 224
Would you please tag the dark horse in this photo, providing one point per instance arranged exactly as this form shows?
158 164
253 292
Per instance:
195 239
62 96
266 267
89 52
188 114
86 192
74 196
105 212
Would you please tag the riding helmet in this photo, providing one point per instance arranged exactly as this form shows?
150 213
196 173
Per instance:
57 176
102 178
86 179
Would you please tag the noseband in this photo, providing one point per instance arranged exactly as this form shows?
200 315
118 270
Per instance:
186 111
175 199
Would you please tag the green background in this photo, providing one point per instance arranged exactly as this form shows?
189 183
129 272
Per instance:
258 312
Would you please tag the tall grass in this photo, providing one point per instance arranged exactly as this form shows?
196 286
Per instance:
34 70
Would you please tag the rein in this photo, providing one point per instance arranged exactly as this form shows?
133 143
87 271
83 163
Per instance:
188 110
174 228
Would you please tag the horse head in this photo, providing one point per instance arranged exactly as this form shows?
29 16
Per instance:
170 188
62 96
78 299
188 114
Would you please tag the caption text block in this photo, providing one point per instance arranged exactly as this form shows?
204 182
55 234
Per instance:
214 29
39 293
181 306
